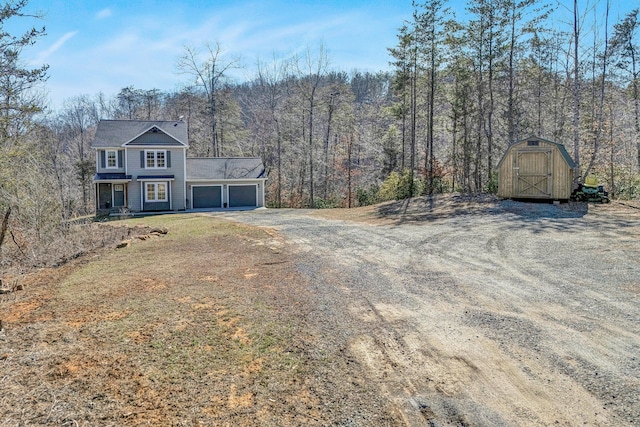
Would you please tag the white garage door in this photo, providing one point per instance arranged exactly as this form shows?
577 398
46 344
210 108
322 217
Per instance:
243 196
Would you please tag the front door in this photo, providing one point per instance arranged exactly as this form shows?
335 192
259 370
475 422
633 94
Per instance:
118 195
533 170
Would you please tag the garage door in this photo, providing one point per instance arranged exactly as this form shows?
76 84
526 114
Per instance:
207 196
242 196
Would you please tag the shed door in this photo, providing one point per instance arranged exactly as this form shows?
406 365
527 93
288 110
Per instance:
533 171
207 196
243 196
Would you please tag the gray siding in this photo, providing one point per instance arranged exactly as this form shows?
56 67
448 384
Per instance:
177 169
156 139
102 162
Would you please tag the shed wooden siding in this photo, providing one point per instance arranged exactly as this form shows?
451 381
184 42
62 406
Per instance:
535 168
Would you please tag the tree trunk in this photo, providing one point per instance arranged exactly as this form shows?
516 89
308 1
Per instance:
5 225
576 95
600 101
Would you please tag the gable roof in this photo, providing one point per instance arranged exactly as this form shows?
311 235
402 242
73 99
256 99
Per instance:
199 168
116 133
561 148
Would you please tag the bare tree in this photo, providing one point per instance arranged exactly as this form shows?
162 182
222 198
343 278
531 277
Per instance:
80 115
576 91
209 74
627 52
312 68
270 80
599 102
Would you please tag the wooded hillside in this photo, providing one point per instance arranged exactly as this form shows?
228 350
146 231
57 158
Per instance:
462 86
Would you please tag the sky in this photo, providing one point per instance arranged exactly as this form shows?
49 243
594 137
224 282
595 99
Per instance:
104 46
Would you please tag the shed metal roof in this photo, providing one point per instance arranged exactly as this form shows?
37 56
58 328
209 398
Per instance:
115 133
202 169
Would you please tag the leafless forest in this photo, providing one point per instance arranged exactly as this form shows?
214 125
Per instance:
457 93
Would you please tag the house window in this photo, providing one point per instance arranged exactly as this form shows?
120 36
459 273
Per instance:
156 191
156 159
112 159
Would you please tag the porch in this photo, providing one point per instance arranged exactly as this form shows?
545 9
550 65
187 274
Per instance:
112 195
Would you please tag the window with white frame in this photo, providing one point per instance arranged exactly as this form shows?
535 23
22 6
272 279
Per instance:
112 159
156 159
156 192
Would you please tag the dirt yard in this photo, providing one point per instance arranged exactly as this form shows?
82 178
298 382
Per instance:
445 312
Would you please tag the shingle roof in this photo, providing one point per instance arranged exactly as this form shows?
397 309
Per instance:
199 168
114 133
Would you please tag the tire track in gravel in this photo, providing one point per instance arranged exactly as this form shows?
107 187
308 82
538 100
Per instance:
478 321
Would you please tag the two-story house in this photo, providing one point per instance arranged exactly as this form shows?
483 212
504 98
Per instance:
142 166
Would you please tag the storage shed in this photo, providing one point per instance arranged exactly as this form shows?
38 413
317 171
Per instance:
536 168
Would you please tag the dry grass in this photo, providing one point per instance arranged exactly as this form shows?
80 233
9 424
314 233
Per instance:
197 327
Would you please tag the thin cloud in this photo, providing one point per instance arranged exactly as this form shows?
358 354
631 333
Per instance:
104 14
44 55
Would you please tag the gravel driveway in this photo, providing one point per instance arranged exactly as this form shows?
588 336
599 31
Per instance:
502 313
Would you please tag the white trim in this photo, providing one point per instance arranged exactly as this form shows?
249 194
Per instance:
113 195
242 185
106 159
161 130
111 181
155 191
152 147
184 181
207 185
155 179
227 180
155 159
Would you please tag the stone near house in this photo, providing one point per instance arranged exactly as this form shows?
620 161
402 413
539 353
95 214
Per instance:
123 244
158 230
